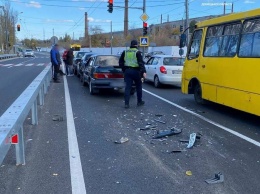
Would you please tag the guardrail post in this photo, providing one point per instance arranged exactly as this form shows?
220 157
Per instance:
34 113
41 96
19 148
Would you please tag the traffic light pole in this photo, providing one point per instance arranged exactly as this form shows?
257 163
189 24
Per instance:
111 39
144 10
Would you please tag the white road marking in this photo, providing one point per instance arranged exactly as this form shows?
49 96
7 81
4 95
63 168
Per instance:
77 179
7 65
20 64
30 64
40 64
207 120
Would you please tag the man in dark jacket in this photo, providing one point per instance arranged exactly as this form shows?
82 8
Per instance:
132 65
69 62
55 61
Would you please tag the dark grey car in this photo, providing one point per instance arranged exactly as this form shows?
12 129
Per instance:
103 71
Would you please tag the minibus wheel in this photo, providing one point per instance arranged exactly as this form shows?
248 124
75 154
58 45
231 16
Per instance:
198 94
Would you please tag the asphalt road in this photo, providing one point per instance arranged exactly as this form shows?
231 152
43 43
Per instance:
141 165
16 75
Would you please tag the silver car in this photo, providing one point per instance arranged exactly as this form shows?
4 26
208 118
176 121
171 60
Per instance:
28 53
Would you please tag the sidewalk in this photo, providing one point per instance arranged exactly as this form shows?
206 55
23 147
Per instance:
47 159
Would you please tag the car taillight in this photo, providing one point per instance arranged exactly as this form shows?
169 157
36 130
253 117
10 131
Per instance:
163 70
107 75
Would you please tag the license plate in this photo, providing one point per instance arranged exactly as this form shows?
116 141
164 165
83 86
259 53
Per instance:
176 71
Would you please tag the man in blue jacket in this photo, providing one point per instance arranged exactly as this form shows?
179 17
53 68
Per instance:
55 61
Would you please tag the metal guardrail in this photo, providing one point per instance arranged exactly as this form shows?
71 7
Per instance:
7 56
11 122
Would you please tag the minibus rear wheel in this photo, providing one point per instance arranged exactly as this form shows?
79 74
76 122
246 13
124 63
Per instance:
198 94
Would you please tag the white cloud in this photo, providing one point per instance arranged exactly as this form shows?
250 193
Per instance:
34 4
90 19
249 1
81 8
59 21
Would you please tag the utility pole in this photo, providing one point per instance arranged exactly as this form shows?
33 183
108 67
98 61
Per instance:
161 18
126 19
168 19
53 32
187 20
111 38
232 8
224 7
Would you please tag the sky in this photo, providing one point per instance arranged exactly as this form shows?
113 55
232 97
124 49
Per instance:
41 19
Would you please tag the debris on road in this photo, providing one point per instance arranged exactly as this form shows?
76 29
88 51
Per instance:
192 140
55 174
188 173
184 141
219 178
166 133
158 115
159 121
122 140
57 117
175 151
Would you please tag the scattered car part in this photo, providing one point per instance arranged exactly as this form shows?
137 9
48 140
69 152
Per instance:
165 133
57 118
122 140
159 121
192 140
219 178
158 115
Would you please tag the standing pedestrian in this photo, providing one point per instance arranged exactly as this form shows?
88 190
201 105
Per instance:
55 61
132 65
69 62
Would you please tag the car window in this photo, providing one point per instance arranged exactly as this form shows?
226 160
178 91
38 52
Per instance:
171 61
155 61
107 61
149 62
80 54
28 50
86 57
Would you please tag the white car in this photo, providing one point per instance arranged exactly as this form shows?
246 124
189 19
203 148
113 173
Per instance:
164 69
28 53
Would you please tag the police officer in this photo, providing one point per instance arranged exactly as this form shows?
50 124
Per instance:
132 64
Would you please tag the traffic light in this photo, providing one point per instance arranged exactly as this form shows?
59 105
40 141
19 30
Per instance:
18 27
110 6
145 27
181 28
182 40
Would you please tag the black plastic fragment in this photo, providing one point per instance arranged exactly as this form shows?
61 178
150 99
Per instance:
165 133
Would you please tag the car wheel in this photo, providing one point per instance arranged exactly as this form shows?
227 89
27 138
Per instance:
92 90
198 94
83 81
157 82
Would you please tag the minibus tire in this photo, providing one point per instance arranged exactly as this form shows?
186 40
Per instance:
198 94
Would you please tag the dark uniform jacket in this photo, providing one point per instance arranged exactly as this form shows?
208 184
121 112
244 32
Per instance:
140 62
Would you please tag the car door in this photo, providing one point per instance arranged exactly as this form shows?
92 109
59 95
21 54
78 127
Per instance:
154 67
89 66
148 69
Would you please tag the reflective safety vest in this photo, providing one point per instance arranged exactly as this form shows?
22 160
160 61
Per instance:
130 58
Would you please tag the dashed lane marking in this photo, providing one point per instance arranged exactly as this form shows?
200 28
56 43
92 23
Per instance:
40 64
30 64
207 120
20 64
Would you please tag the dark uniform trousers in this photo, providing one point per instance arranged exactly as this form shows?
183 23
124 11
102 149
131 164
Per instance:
132 74
55 69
